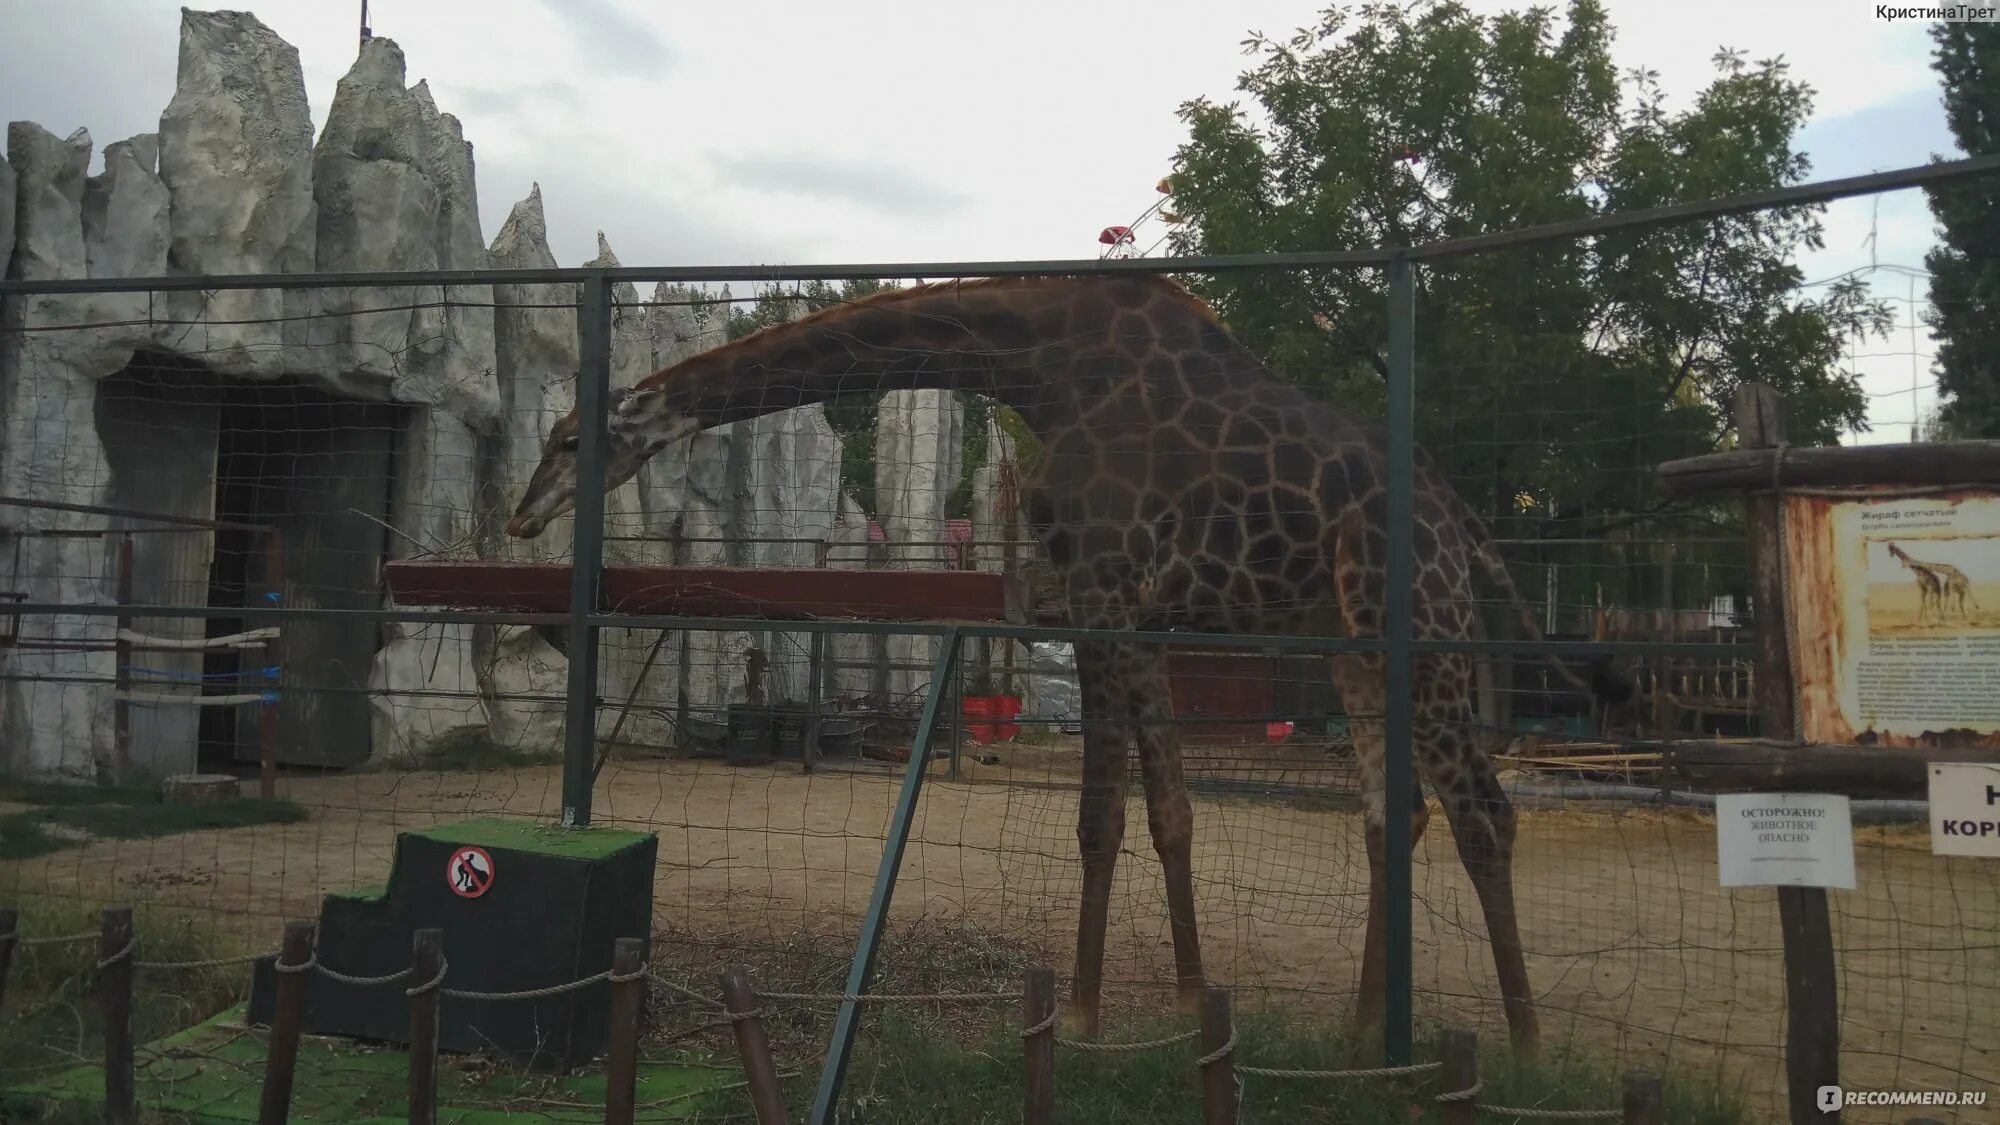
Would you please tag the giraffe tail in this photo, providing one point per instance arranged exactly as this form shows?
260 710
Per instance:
1604 684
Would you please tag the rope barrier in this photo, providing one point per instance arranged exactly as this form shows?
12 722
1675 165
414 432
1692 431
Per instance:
55 939
1553 1114
209 963
1031 1032
444 967
534 993
1143 1045
121 955
890 997
359 982
1221 1052
1465 1095
1360 1072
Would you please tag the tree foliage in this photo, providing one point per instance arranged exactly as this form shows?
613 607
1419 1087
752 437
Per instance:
1550 378
1965 267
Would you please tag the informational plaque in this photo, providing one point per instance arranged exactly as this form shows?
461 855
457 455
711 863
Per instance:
1784 840
1895 617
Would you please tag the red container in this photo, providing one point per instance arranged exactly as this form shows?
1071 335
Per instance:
975 708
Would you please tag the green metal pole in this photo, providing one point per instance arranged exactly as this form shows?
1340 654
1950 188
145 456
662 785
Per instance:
1397 761
593 382
848 1022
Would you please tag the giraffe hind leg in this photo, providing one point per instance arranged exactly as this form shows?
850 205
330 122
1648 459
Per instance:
1100 826
1483 825
1169 813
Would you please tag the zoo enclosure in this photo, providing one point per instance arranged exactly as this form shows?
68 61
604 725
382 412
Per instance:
586 618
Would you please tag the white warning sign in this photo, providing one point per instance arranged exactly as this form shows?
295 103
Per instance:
1965 809
1784 840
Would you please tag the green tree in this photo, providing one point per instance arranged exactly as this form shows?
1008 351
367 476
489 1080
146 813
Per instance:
1965 268
1551 378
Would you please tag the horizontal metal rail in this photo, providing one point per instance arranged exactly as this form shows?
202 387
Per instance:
1922 175
1031 633
133 514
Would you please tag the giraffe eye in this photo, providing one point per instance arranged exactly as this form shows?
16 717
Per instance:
568 444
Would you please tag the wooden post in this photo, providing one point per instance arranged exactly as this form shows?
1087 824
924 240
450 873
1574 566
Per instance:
741 1003
1038 1071
1218 1078
621 1063
287 1018
427 958
10 936
274 652
121 711
1812 1023
1459 1052
1645 1102
114 997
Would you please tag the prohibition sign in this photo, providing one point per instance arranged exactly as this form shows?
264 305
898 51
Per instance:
469 872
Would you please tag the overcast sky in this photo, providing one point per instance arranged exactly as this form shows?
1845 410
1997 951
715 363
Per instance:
793 132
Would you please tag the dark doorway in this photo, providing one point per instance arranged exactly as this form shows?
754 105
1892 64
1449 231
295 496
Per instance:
276 452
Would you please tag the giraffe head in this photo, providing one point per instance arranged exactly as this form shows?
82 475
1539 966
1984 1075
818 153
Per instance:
639 427
1896 553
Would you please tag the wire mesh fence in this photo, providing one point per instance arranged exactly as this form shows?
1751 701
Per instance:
318 535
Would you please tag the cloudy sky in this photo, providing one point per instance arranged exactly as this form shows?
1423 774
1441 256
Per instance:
793 132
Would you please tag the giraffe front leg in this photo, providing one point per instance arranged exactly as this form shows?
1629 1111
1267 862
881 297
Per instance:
1169 815
1100 830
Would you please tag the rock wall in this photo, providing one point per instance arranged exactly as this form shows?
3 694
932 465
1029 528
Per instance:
235 182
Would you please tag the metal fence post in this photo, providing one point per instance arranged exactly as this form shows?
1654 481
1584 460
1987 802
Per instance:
1399 680
876 920
593 383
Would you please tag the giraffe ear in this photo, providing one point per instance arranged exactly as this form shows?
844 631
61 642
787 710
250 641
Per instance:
632 402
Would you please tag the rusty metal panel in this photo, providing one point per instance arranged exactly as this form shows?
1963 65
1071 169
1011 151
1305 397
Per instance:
1893 601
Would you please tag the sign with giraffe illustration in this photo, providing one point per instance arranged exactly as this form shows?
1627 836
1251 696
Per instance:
1894 602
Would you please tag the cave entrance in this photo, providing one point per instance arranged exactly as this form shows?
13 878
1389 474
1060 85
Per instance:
283 453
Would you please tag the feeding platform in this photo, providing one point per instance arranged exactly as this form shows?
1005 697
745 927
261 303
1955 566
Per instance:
522 906
775 593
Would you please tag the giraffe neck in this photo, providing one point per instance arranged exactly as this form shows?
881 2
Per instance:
1046 348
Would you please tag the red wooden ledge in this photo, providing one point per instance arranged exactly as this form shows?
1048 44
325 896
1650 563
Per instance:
778 593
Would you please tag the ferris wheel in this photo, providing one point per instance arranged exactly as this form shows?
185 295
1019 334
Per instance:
1123 241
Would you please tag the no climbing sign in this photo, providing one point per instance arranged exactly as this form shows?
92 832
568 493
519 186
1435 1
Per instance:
469 872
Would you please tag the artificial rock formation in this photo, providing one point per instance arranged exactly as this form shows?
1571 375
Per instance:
433 406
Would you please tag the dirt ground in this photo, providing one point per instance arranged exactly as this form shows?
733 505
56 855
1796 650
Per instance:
1632 945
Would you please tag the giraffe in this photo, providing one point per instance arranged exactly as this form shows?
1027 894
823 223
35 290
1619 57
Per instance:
1182 485
1937 583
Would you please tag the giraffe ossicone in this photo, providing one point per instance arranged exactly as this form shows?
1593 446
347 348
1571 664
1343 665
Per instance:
1181 485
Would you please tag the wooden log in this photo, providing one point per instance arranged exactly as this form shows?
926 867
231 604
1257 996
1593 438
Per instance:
281 1056
427 958
1038 1071
740 1001
621 1061
1459 1052
200 789
1218 1077
1645 1101
114 998
1812 1001
1885 771
1913 465
10 936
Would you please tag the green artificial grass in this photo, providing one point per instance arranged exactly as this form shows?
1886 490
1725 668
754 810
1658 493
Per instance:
64 816
529 836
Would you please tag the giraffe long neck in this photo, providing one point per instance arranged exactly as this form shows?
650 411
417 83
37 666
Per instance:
1040 347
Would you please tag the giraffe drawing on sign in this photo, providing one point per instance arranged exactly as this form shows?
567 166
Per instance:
1938 584
1181 485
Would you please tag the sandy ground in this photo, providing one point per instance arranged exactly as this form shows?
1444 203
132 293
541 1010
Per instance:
1632 944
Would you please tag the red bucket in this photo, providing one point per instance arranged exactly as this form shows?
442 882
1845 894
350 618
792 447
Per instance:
978 707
